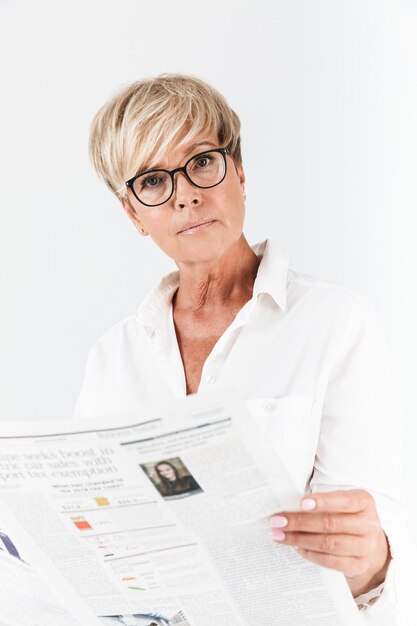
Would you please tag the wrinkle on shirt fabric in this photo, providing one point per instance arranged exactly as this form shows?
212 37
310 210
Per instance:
310 360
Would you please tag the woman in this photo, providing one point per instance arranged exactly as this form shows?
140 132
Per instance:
307 356
171 483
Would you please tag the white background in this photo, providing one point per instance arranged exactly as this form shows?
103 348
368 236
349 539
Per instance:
326 91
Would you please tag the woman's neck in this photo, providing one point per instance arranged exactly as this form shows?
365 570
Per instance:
226 280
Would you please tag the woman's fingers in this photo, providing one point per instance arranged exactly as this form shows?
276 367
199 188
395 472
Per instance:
351 501
326 523
340 530
339 545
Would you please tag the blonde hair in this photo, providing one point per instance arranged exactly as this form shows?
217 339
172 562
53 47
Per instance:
143 120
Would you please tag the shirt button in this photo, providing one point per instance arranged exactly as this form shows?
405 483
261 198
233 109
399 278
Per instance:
211 380
270 407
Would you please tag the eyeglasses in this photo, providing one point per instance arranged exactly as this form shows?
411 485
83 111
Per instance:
204 170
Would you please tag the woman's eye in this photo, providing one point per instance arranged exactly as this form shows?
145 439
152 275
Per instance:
203 161
151 181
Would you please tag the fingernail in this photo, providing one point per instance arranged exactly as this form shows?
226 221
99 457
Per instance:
278 521
308 504
278 535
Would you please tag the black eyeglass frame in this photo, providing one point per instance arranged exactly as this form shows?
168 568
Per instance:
223 152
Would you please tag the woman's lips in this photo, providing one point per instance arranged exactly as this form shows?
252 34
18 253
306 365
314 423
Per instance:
194 228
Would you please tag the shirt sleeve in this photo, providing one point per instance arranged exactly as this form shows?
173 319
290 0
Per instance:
360 443
86 405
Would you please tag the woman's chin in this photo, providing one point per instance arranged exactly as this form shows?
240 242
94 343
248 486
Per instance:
207 255
205 249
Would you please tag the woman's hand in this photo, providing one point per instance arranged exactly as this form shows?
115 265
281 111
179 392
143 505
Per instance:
340 530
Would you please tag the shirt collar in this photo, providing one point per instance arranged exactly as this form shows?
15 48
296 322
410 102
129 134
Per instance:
271 279
272 272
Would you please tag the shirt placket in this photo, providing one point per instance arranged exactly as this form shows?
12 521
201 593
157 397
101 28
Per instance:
212 367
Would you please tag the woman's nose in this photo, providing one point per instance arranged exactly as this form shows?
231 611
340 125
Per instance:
185 193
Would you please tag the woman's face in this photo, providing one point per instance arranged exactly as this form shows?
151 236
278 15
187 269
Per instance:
195 225
166 471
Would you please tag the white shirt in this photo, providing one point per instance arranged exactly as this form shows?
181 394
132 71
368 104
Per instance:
309 358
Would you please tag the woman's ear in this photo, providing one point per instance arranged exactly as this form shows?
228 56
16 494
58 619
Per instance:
241 174
131 213
242 177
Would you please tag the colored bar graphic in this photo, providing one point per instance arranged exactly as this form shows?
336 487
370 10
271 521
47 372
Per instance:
81 523
102 501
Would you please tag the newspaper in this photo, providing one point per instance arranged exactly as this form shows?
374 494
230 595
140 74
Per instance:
152 519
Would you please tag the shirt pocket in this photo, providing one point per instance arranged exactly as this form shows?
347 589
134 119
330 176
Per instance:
285 421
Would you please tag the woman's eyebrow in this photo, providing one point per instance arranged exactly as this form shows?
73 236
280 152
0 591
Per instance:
158 166
200 143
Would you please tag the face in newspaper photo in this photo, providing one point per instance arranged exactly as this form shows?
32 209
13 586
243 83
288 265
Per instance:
171 478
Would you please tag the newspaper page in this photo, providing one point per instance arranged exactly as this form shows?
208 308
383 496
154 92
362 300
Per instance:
27 597
163 518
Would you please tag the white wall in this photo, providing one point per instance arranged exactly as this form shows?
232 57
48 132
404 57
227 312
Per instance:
326 90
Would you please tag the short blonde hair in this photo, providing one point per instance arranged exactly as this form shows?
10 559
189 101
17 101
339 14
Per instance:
143 120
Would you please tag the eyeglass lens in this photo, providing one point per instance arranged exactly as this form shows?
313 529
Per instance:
204 170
